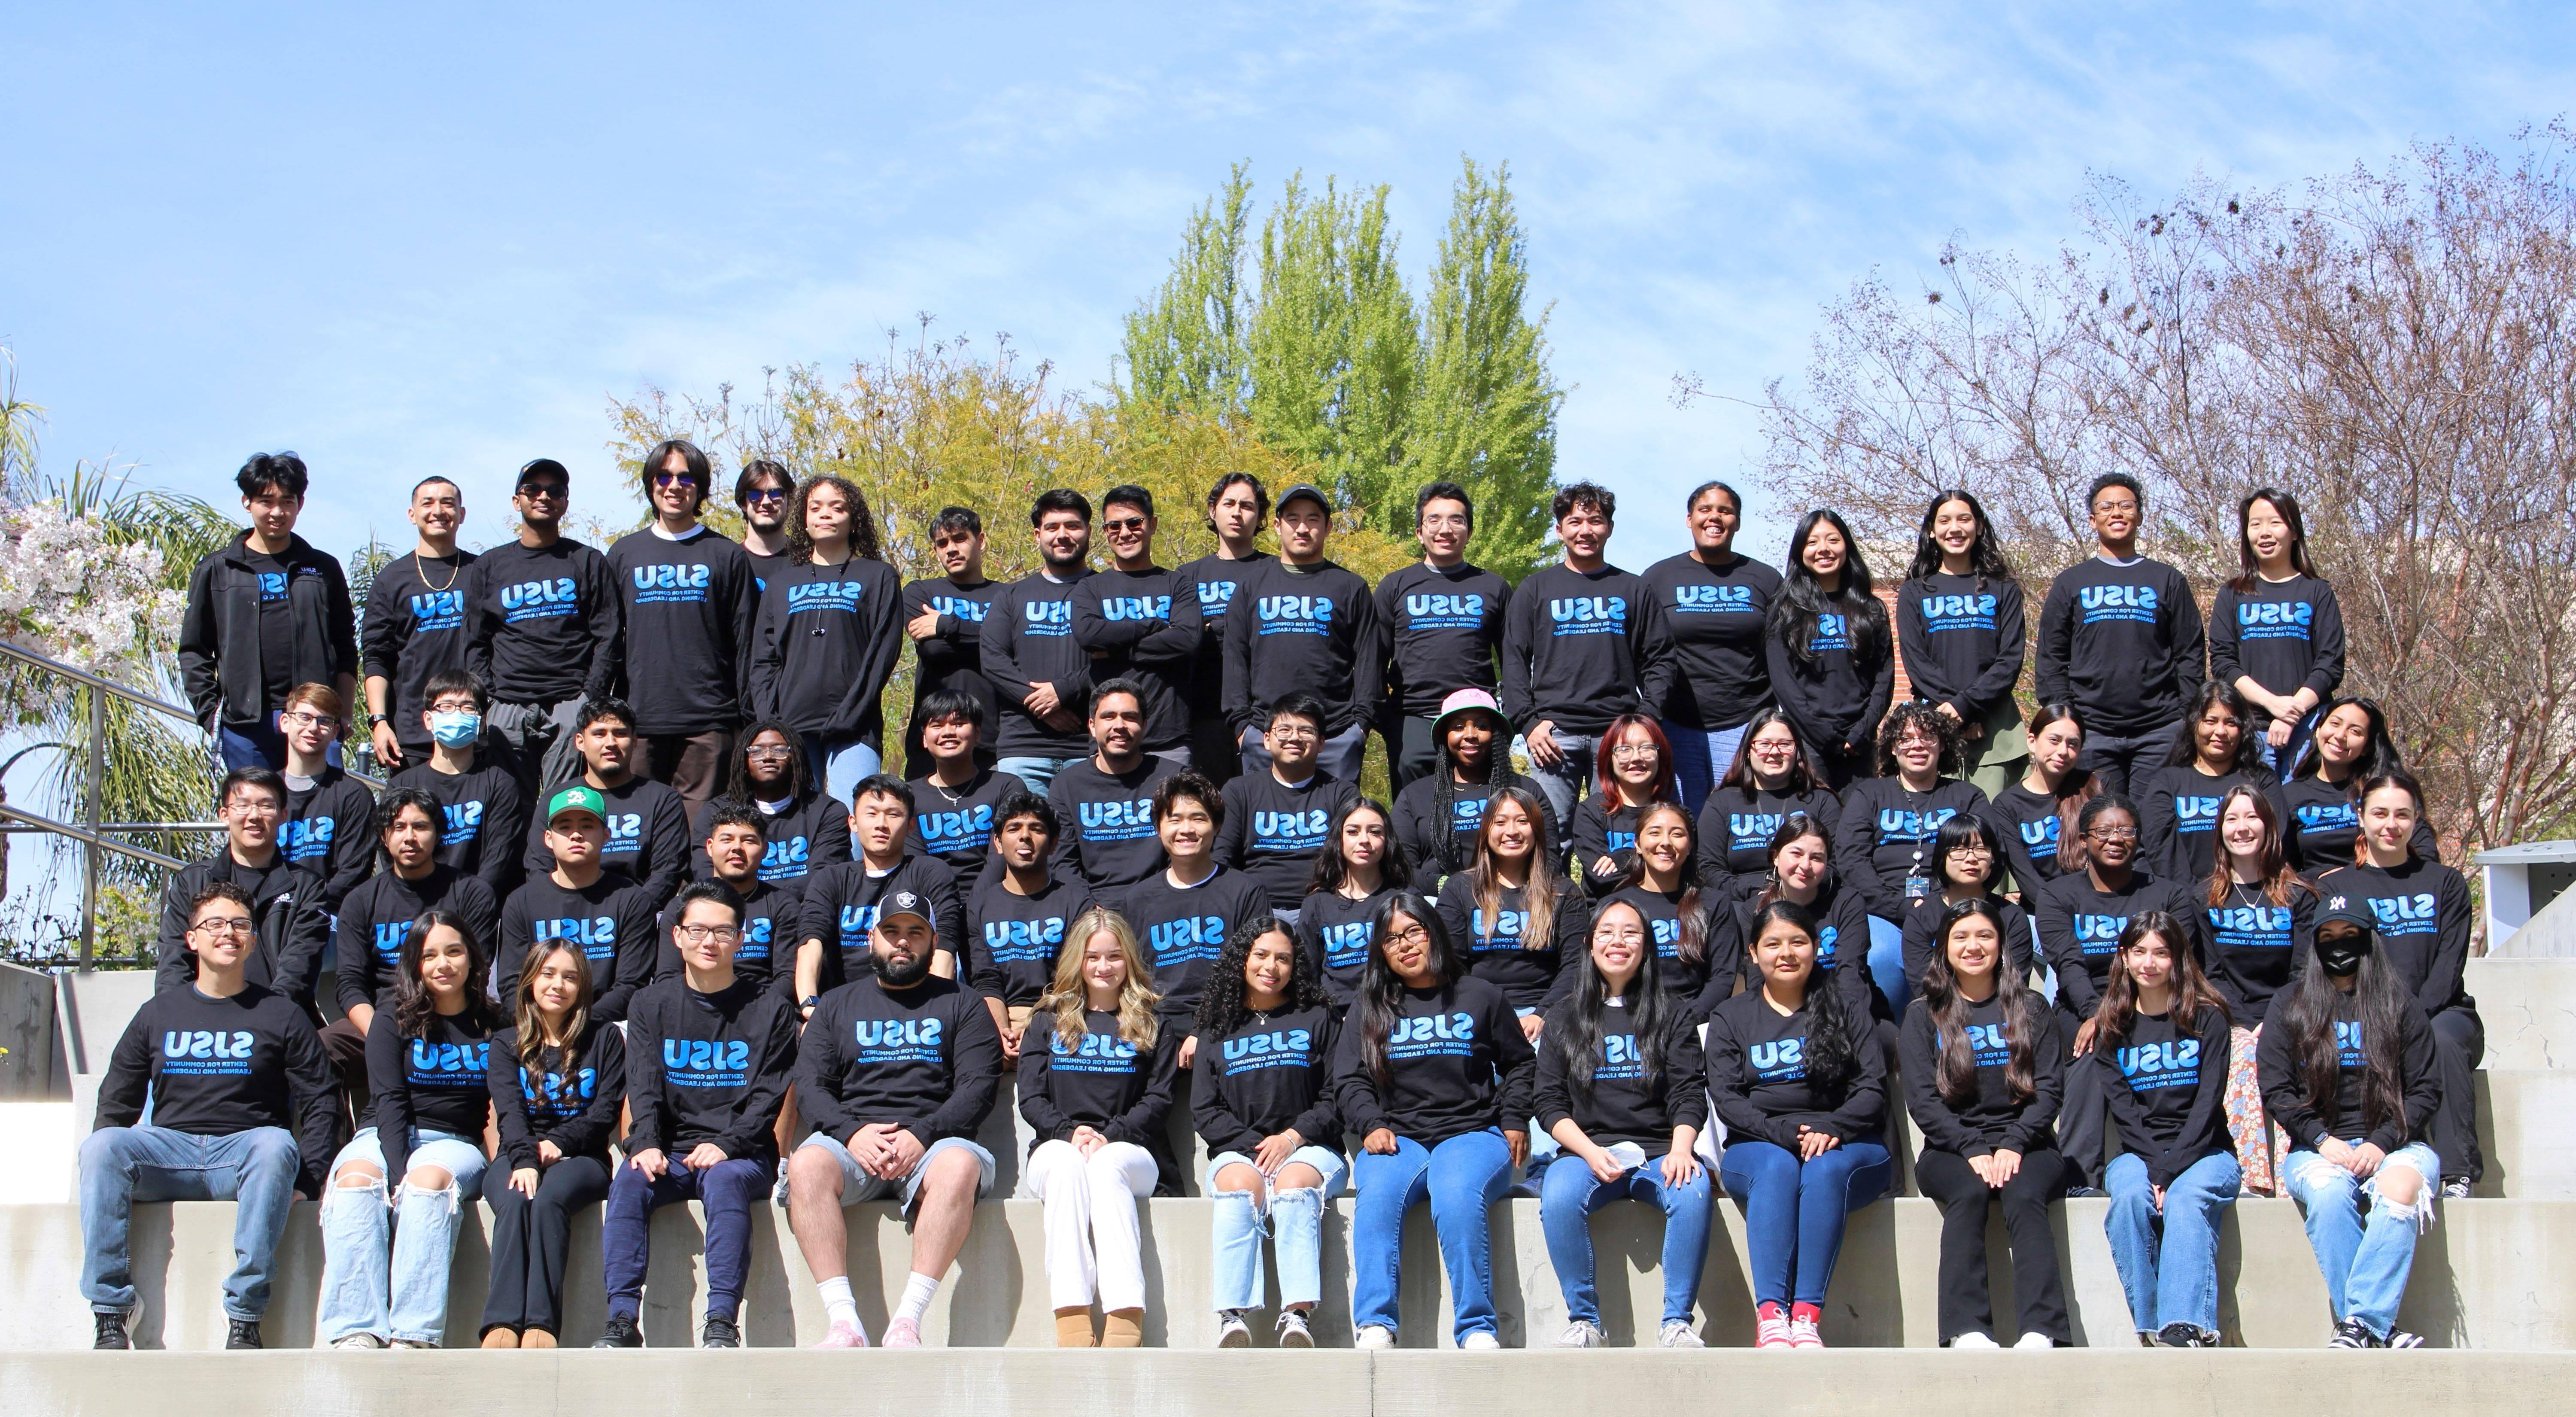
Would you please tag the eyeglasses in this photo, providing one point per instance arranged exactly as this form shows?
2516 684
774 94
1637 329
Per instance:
1630 752
1973 853
704 934
1411 935
1619 934
767 755
2123 505
1293 732
2113 833
260 806
238 925
303 718
1122 524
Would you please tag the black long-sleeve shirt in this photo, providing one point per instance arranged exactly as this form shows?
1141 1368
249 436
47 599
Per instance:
2321 822
2285 636
481 818
215 1067
773 926
1923 927
2167 1089
685 631
440 1081
1735 830
2030 825
415 627
571 1100
1887 837
1143 625
1014 940
1962 641
2178 817
1103 1082
1184 928
804 836
926 1059
1835 693
2079 928
1274 831
953 656
2424 914
1570 649
285 906
1028 639
538 619
2255 946
1109 839
958 830
1440 627
823 645
329 830
648 834
1704 665
1273 1073
1842 943
708 1068
1498 950
610 921
1310 629
1214 579
1758 1078
256 626
1419 822
2123 644
841 904
373 923
1621 1103
2307 1120
1456 1060
1993 1120
1693 989
1337 932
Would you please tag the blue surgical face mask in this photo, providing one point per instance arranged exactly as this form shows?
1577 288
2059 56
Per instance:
455 730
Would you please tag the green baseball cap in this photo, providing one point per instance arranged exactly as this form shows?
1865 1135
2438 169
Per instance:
576 798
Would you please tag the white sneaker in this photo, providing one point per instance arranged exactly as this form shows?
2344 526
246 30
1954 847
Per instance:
1374 1336
1678 1335
1582 1333
1481 1341
357 1341
1974 1340
2035 1342
1234 1333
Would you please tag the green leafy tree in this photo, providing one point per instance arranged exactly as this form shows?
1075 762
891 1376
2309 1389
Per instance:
1185 348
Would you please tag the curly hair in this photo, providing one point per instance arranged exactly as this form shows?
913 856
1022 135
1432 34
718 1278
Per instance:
863 523
1919 713
1221 1008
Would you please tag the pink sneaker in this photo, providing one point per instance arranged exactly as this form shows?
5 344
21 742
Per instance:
844 1335
902 1333
1804 1320
1770 1327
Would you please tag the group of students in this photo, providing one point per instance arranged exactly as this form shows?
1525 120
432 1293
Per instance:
1737 898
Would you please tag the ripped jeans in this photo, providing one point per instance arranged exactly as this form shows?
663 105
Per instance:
385 1268
2365 1262
1294 1220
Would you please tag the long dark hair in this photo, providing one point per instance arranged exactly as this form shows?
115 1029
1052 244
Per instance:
2272 862
2185 749
1956 1073
1833 1047
863 522
1545 873
1381 991
1985 554
1575 1032
2306 1010
1221 1009
2379 751
1946 759
1444 795
1803 781
2251 573
413 1007
1692 946
1795 610
738 784
2192 991
1331 870
532 1023
2078 787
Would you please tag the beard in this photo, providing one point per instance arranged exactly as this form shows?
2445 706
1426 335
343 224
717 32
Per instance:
902 975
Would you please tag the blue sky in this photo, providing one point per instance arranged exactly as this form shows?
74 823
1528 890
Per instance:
440 240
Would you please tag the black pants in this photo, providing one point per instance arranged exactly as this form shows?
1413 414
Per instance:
1214 752
1836 768
1411 753
529 1237
2459 1042
2084 1121
2122 764
1967 1296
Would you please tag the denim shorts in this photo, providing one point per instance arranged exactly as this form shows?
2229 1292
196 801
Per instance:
860 1184
1327 1162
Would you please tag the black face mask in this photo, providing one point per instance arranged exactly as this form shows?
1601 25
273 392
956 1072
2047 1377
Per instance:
2341 956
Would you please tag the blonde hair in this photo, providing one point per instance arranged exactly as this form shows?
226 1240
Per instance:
1067 997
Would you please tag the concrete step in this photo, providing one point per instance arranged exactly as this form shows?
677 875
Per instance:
2480 1280
2529 1008
1148 1383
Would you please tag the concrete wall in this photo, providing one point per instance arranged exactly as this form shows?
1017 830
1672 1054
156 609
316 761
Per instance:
2485 1277
2529 1008
28 1056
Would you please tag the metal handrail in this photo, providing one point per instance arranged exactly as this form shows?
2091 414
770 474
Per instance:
95 842
16 651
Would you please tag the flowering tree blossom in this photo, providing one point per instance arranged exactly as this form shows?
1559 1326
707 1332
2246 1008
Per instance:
72 589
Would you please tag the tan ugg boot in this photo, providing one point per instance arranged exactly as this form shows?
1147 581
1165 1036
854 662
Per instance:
1123 1328
1073 1329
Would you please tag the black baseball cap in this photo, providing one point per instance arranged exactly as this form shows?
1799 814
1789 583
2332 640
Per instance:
541 467
1307 490
908 903
2341 909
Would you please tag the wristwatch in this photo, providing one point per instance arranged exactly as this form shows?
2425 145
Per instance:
377 720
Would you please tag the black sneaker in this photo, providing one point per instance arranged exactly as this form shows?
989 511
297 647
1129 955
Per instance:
621 1332
242 1333
2084 1192
2183 1335
719 1333
2400 1338
2455 1189
2353 1333
111 1332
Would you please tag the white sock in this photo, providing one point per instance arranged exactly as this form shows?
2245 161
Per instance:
918 1291
838 1306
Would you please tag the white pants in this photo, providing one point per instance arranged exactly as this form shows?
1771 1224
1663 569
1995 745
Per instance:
1091 1239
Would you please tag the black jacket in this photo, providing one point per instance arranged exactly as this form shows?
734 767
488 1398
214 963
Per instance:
285 903
219 635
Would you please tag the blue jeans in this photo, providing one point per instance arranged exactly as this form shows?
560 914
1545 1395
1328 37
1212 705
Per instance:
1569 1195
403 1296
1793 1211
2285 759
1701 756
1887 964
727 1191
2168 1262
2365 1265
840 764
1462 1178
1036 772
1563 785
1295 1220
121 1167
262 747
